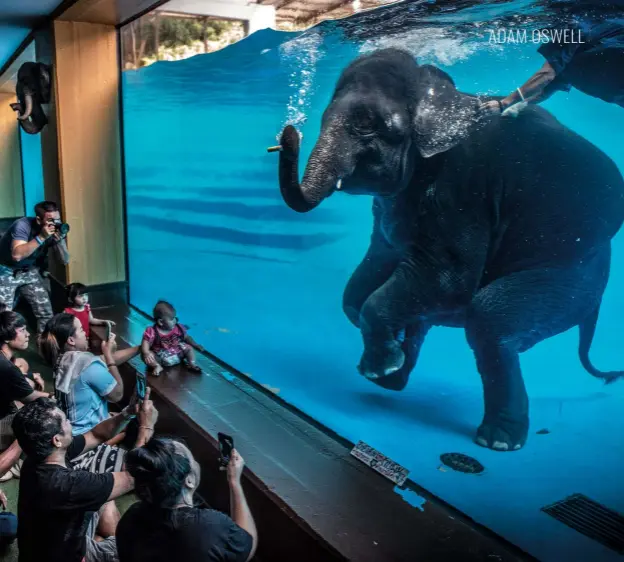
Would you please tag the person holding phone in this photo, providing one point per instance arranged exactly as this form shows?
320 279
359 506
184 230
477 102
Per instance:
166 525
84 383
65 513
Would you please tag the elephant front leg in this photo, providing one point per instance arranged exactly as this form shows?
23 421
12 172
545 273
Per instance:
396 305
411 346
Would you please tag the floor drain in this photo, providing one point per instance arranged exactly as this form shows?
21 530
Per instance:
462 463
591 519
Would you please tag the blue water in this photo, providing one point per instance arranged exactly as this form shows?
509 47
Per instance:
261 286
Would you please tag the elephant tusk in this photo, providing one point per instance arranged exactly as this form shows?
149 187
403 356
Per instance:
277 148
339 185
28 110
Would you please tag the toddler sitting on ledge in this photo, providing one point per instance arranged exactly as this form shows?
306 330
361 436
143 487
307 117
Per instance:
167 343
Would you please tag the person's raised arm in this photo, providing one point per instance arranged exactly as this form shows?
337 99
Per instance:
533 88
107 350
147 418
123 483
106 430
60 247
241 515
532 91
21 248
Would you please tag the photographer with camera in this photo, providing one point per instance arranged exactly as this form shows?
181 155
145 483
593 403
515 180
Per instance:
24 250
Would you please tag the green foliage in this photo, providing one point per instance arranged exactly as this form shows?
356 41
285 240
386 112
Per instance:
144 39
174 32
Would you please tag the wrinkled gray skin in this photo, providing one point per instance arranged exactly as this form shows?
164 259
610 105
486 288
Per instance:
499 225
33 90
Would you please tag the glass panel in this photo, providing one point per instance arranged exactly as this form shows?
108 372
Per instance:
494 230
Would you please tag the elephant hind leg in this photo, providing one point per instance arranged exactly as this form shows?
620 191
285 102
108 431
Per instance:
510 316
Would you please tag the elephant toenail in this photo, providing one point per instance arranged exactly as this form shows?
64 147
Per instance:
517 447
501 446
482 442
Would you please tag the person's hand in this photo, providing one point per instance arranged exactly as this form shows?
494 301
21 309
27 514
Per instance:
148 414
40 384
47 230
235 467
3 500
108 347
22 365
515 109
494 107
150 359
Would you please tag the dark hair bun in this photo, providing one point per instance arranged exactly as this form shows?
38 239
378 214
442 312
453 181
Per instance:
159 471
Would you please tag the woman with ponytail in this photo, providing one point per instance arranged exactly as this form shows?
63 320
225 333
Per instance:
84 383
166 525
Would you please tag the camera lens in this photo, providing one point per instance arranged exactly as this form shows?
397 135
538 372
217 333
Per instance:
63 228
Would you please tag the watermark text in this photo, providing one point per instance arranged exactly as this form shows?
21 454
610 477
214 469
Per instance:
517 36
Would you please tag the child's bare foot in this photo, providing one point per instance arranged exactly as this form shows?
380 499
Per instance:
194 367
156 371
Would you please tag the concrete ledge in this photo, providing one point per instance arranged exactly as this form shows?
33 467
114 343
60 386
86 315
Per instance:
311 499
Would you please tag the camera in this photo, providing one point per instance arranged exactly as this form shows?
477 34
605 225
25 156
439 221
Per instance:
61 227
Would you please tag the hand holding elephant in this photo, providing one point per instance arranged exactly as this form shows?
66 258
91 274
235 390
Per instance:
500 226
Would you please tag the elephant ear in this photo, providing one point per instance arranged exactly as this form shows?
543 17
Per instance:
443 117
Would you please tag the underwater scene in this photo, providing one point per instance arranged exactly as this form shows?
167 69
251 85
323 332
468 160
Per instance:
428 289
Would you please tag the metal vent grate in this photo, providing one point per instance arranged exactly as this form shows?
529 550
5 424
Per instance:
591 519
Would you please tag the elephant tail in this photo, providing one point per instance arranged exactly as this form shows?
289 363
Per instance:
587 329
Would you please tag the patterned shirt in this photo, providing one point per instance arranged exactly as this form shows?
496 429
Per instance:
171 342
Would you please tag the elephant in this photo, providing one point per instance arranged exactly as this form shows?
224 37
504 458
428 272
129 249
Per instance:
33 89
498 225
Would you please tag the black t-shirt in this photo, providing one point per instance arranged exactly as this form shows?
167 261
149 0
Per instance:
55 507
13 385
148 534
591 60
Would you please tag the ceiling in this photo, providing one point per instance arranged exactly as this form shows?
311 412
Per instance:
293 14
17 18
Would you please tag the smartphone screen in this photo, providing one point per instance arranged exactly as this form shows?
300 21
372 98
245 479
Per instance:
226 444
108 331
141 383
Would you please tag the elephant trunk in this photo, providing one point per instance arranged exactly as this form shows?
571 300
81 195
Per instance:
320 179
28 109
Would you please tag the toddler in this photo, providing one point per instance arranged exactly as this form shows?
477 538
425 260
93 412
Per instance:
166 343
78 300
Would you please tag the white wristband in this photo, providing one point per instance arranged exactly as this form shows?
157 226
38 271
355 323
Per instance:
520 92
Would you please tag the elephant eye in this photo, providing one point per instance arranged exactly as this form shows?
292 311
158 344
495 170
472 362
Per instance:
364 122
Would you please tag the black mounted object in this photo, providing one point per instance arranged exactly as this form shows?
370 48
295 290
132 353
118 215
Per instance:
34 80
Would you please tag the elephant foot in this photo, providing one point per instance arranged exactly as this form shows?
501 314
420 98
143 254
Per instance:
381 361
395 381
502 435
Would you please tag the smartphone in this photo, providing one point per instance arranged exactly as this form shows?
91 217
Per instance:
108 331
226 444
141 383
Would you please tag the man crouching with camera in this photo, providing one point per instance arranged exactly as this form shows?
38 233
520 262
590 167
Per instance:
24 250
